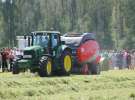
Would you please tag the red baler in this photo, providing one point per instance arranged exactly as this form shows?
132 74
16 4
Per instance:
85 51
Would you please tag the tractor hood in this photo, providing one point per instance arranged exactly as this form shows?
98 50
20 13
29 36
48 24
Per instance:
32 52
32 48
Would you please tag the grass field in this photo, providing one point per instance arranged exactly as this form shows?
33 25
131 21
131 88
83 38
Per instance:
110 85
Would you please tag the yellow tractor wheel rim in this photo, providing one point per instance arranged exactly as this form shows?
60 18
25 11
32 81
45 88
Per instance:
67 63
49 67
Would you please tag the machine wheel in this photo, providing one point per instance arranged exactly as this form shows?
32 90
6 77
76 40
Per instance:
94 69
85 69
66 62
15 69
45 67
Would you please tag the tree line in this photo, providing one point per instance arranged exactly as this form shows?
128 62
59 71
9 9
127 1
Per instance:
113 21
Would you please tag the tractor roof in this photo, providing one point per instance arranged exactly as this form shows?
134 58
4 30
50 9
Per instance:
48 32
74 34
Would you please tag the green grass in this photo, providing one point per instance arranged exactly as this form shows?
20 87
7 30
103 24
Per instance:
110 85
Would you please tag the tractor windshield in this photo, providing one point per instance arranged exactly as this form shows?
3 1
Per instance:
41 40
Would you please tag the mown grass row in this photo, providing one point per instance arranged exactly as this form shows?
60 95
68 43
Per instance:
110 85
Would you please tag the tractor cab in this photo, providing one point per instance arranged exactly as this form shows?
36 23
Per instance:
48 40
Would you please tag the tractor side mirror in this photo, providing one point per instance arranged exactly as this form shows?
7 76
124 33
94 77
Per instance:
25 37
63 42
29 41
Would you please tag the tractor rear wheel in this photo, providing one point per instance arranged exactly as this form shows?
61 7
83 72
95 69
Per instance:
15 69
45 67
66 62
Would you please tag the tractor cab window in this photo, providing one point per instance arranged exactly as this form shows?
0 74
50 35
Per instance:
55 40
41 40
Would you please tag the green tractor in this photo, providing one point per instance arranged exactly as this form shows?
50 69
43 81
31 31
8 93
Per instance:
46 54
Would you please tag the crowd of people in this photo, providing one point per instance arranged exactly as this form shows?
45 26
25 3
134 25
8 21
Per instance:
119 59
6 57
111 59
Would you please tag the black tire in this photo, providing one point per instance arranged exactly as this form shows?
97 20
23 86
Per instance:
66 63
94 69
15 68
45 65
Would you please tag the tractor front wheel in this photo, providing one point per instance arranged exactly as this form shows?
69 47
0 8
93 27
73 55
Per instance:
45 67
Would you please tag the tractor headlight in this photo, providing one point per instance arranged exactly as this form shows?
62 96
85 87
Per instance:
27 56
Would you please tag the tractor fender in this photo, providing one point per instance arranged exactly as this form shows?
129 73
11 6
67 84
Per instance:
61 49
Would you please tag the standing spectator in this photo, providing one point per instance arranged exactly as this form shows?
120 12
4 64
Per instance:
11 57
0 60
133 60
7 51
4 63
117 57
124 58
119 60
114 59
129 60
